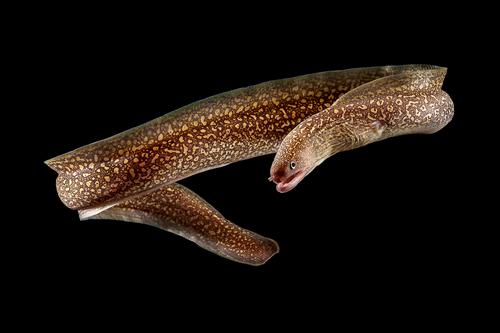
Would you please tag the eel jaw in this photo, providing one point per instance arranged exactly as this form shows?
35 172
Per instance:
285 185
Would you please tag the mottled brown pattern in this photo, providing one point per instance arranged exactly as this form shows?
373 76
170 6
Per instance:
176 209
222 129
130 176
406 102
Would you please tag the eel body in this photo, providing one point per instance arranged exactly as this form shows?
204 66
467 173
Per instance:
410 102
176 209
131 176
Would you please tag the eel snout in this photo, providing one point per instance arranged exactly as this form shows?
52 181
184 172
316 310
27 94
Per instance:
285 183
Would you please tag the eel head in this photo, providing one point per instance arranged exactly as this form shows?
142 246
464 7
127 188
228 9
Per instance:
291 165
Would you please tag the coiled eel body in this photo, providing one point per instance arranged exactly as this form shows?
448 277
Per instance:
408 102
130 176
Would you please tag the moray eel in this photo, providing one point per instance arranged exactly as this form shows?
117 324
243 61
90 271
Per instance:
410 102
131 176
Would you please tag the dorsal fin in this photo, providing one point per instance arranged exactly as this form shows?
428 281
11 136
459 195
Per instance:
406 79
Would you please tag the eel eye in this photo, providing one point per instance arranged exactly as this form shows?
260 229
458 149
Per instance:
292 165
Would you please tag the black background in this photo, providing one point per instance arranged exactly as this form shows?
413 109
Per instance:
373 225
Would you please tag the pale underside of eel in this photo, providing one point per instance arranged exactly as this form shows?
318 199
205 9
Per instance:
131 176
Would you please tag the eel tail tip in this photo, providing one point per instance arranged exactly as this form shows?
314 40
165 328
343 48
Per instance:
51 164
272 248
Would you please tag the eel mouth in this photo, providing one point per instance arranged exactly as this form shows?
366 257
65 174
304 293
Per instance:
285 185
